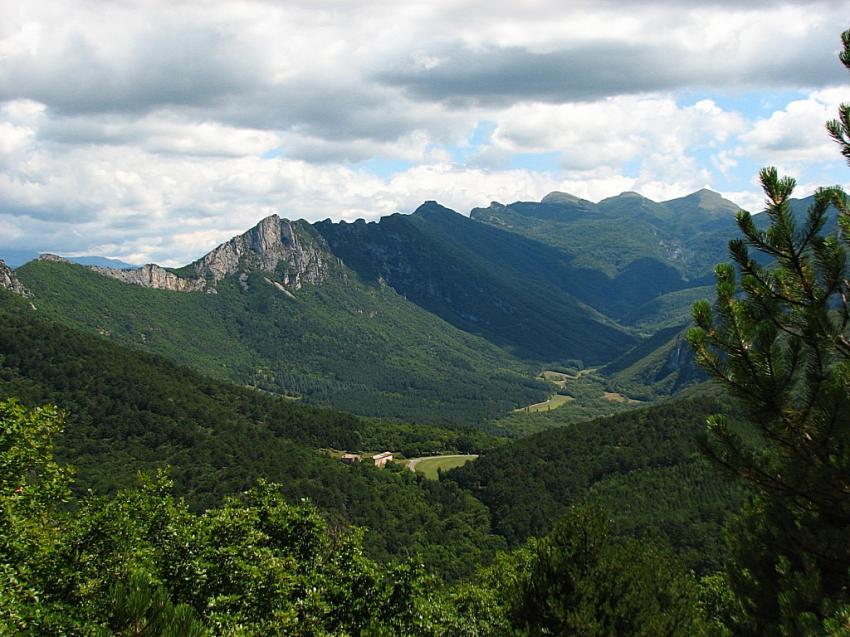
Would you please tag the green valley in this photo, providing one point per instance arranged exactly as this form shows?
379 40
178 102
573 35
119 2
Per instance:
357 347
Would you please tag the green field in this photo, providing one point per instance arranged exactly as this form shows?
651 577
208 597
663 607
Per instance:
555 401
558 378
429 466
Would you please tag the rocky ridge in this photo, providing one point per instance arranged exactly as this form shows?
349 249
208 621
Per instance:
288 249
9 281
154 276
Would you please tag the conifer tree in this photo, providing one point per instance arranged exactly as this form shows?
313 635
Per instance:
778 339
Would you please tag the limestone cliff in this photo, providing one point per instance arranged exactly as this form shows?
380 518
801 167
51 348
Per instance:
289 250
273 245
154 276
9 281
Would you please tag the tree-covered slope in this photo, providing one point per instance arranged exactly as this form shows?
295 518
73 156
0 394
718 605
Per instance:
129 411
642 465
513 291
342 343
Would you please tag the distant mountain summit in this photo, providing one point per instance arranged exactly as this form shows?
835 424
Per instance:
688 233
17 258
563 198
704 200
291 251
102 262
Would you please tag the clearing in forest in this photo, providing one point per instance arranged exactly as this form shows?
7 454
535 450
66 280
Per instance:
429 465
616 397
547 405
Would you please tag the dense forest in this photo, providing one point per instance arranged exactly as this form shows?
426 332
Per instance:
140 562
129 412
643 466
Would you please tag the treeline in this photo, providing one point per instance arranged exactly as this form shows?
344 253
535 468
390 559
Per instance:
129 412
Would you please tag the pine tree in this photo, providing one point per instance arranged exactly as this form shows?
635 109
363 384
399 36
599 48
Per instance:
777 338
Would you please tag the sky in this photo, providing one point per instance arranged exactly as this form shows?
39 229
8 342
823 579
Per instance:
153 131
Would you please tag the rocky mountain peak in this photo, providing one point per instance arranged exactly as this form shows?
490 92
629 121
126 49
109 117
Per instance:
52 257
9 281
273 244
276 246
431 207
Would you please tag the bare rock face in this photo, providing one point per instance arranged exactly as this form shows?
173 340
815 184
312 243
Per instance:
154 276
9 281
274 244
279 246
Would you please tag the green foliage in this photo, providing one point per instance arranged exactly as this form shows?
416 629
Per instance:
141 607
358 348
583 582
581 579
130 412
142 564
30 483
777 339
642 465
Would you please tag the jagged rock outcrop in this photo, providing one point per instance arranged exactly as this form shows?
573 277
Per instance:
285 248
680 361
52 257
273 245
9 281
154 276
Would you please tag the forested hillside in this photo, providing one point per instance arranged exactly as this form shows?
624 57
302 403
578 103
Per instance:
345 344
428 317
643 466
129 412
638 248
518 293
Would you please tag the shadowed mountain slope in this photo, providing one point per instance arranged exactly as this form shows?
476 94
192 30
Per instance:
513 291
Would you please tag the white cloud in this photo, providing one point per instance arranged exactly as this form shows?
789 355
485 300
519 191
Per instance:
796 134
652 132
138 129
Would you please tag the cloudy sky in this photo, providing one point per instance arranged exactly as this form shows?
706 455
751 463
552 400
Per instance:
152 131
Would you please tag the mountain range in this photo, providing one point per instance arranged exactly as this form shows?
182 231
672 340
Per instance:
431 316
438 333
16 258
